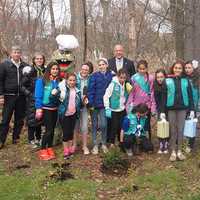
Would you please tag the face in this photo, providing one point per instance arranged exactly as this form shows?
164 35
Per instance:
39 60
102 66
118 51
160 77
189 69
16 55
178 69
71 81
54 70
142 69
141 114
84 71
122 78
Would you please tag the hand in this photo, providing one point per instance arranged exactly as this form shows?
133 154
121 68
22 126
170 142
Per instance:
1 100
85 100
129 108
108 113
153 114
39 114
192 114
54 91
62 96
162 116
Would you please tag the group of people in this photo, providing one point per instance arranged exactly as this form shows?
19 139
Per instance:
120 100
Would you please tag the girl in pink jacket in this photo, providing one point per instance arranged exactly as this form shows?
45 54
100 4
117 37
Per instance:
142 92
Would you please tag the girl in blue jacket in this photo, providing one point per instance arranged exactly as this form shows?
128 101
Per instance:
98 83
133 126
46 106
69 110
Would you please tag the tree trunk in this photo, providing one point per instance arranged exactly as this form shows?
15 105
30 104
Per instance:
177 15
78 28
53 25
105 29
196 15
132 28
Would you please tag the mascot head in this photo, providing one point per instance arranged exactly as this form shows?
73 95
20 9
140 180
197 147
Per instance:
64 55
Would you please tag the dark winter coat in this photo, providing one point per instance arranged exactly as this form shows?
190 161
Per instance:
10 78
28 88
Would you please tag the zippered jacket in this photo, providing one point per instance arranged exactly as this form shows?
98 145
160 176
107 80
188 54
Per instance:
10 78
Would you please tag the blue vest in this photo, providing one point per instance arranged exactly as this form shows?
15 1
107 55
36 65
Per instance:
140 80
171 91
133 122
78 81
115 97
47 91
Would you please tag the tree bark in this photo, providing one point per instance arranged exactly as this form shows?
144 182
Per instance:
177 15
132 28
78 28
53 25
105 28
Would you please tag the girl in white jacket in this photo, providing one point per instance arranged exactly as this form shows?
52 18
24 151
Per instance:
114 102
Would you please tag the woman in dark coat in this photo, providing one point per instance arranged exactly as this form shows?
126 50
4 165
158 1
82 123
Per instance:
30 74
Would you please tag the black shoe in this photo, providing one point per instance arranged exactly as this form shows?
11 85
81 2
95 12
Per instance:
1 145
15 141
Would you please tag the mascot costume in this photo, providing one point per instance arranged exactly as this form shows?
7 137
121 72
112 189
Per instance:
64 54
65 58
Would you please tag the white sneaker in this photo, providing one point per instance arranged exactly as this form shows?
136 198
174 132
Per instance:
38 143
86 151
104 148
188 150
166 151
180 155
95 150
129 152
173 156
160 151
33 144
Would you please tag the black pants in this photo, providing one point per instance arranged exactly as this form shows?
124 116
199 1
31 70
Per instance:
34 132
115 125
145 144
16 104
50 119
129 141
147 126
68 124
191 142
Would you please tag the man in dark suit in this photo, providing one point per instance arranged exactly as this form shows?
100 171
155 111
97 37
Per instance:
119 61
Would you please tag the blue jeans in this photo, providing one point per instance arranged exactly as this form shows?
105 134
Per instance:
99 120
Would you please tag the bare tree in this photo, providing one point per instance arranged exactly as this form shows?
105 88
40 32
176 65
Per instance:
53 25
105 27
132 27
77 26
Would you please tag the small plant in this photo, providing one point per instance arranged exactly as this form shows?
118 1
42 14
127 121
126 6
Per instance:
114 162
61 172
